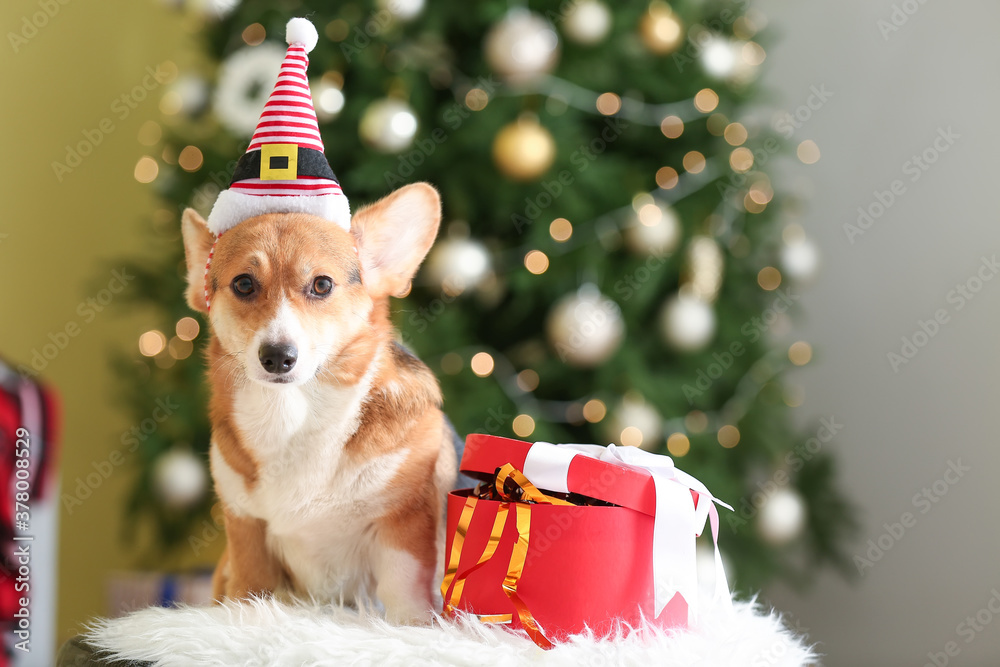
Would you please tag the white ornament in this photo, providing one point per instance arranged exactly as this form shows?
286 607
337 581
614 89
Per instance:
651 234
585 327
456 265
782 517
688 323
634 414
180 478
800 259
404 10
245 82
328 100
193 91
719 56
389 125
522 45
587 22
218 9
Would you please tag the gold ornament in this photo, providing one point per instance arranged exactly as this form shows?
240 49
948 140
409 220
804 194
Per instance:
661 29
524 150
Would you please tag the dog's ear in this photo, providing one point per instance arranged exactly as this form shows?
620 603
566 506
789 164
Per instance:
393 236
198 242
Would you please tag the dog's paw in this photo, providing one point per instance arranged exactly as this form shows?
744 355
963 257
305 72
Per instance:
408 614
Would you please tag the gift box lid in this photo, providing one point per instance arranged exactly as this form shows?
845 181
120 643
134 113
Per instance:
627 486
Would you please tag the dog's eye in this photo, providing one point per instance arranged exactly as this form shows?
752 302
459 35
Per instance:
243 285
322 285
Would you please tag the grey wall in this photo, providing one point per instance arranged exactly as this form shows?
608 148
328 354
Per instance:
901 428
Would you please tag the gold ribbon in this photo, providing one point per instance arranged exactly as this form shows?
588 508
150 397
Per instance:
529 493
523 494
456 550
456 547
514 570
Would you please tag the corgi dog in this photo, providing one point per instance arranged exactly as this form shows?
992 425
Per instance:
330 453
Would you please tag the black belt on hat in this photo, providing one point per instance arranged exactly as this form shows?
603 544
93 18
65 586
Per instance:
278 165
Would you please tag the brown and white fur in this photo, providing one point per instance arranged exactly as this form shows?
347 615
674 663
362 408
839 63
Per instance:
331 475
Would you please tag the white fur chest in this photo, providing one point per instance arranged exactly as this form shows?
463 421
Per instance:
319 507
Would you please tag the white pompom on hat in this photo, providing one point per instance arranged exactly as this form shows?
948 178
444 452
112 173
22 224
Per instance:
302 31
284 169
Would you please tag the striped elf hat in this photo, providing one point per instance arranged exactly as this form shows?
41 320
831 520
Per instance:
284 169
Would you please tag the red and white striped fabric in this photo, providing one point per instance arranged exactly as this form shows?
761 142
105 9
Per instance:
275 175
298 187
289 116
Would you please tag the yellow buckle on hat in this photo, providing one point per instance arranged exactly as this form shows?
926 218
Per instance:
279 162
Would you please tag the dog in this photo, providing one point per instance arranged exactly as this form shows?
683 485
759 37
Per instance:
330 453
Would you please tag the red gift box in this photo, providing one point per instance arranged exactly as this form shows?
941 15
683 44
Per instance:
554 569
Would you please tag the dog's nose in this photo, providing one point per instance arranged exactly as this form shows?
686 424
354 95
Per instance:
278 359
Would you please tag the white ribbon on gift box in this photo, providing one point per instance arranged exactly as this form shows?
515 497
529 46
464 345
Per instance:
675 565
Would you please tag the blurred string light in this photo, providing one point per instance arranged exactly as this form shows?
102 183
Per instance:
179 348
678 444
561 230
187 328
152 343
608 103
716 124
254 34
190 158
482 364
536 262
706 100
735 134
800 353
519 387
523 425
146 169
150 133
672 126
808 152
769 278
441 272
618 220
671 119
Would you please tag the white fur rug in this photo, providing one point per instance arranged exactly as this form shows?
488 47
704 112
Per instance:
265 632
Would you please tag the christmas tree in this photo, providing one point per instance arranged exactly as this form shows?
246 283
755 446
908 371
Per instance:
615 265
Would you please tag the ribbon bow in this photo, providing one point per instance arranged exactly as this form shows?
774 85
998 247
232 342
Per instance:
675 568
